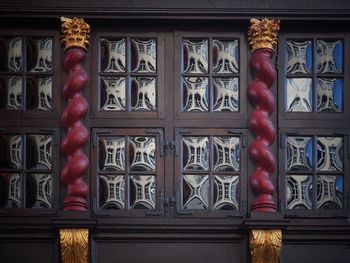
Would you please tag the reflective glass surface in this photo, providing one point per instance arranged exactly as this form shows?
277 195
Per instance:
226 192
299 192
195 191
112 154
195 153
226 94
195 94
142 192
299 95
112 191
195 56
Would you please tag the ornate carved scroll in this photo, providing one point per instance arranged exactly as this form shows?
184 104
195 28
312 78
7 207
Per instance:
74 245
265 245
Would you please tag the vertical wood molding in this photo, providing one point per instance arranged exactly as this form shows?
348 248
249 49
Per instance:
262 37
265 245
74 245
75 39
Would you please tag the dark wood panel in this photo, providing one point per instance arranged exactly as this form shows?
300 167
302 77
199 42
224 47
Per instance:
29 251
320 253
169 252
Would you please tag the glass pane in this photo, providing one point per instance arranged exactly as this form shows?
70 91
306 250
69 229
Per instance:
226 192
299 153
195 153
11 151
143 55
195 192
38 191
329 154
226 94
299 57
39 93
112 93
10 190
225 56
113 55
329 192
299 95
142 154
112 192
299 192
143 94
11 54
329 95
142 192
195 94
39 152
195 56
11 92
329 56
112 154
226 153
39 55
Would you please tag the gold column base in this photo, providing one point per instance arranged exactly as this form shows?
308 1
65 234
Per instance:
74 245
265 245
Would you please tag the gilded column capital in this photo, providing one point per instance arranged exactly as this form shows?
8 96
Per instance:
74 245
263 33
265 245
75 33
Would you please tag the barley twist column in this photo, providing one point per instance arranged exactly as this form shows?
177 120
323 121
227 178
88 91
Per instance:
262 36
75 40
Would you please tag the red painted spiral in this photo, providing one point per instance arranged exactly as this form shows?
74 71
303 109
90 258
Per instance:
260 124
76 134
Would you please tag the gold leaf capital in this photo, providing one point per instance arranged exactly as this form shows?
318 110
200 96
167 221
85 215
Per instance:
75 33
74 245
265 245
263 33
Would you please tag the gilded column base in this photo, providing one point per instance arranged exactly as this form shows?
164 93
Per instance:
265 245
74 245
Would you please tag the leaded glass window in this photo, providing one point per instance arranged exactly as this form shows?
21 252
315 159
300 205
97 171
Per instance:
27 73
26 170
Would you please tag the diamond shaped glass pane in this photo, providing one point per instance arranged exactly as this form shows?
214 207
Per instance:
225 56
195 56
39 191
329 56
11 95
329 192
226 94
112 191
299 57
329 95
113 93
299 95
195 192
195 94
11 50
143 55
142 153
195 153
11 151
299 153
143 94
10 190
226 154
329 154
39 93
142 192
226 192
113 56
112 154
39 54
299 192
39 152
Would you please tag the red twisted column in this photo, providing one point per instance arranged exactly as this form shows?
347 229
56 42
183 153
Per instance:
262 36
75 38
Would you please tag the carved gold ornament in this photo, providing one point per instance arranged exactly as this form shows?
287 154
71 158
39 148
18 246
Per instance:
74 245
75 33
265 245
263 33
